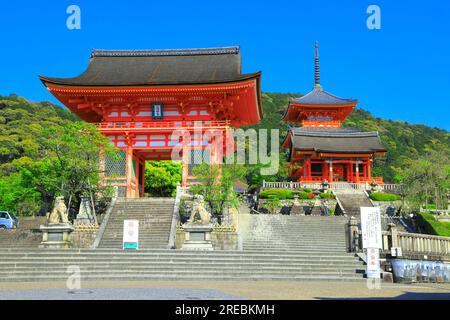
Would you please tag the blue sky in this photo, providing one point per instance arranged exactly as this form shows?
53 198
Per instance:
400 72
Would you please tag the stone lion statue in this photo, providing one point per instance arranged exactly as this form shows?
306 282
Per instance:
198 210
59 212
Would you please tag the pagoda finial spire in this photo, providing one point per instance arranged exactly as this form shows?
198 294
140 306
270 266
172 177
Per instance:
317 67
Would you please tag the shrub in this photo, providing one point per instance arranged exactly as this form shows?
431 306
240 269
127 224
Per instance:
331 212
302 195
272 205
325 195
280 194
432 226
379 196
307 190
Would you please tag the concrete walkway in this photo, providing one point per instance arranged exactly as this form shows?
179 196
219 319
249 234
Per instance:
282 290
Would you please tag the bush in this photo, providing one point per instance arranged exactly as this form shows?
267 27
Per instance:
432 226
307 190
280 194
325 195
379 196
302 195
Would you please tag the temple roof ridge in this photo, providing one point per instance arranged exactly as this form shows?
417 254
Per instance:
164 52
319 96
333 132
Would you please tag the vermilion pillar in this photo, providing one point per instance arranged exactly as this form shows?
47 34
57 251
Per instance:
351 171
325 170
143 178
331 171
369 173
357 171
129 172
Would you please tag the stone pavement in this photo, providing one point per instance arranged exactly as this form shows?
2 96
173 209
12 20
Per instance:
222 290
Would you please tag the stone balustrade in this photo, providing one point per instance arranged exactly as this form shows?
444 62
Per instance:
387 187
412 245
417 244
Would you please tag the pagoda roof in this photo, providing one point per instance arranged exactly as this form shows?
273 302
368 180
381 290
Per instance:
318 96
337 140
159 67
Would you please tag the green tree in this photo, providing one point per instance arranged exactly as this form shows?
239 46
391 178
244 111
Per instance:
427 180
272 204
18 197
216 185
162 177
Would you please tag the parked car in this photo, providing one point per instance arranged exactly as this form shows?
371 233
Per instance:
8 220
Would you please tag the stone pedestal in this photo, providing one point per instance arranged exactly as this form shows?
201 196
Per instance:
85 215
56 235
197 237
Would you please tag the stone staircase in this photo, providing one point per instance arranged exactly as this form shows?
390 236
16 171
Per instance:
24 236
274 247
111 264
155 218
351 201
318 242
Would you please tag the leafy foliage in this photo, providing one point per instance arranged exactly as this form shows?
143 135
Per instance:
162 177
325 195
271 204
280 194
44 152
427 180
216 185
432 226
302 195
17 197
379 196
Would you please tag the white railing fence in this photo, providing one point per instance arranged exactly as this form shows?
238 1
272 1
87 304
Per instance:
291 185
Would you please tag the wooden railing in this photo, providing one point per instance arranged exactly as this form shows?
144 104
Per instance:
138 125
334 186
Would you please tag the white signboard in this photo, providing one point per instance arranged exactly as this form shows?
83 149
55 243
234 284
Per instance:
130 234
373 263
371 227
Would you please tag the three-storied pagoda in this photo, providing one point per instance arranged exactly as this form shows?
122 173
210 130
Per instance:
321 149
139 98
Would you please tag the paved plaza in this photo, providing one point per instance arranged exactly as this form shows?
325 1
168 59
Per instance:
221 290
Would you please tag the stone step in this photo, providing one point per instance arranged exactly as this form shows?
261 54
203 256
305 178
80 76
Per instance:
318 261
111 253
193 277
254 258
155 219
182 273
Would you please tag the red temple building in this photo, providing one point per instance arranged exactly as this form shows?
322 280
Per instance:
139 98
321 149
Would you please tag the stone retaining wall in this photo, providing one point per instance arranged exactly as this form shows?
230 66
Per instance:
384 205
221 240
84 236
